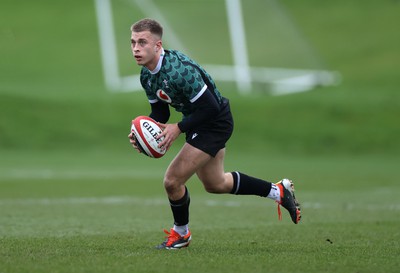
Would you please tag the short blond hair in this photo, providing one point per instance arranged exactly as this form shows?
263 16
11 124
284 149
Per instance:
148 24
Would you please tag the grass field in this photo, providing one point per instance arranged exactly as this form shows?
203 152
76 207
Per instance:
107 218
74 197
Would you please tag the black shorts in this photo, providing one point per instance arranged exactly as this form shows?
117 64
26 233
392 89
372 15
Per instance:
212 136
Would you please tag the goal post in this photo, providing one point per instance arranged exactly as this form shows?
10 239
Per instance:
279 79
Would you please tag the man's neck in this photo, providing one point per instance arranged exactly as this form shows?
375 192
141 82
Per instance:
159 62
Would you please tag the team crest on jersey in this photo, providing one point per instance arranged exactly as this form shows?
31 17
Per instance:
163 96
166 83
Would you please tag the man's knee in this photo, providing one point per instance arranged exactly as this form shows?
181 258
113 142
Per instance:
173 184
169 184
213 189
217 184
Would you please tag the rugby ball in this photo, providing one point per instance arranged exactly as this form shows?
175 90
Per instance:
145 131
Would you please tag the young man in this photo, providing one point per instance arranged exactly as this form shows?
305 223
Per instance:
172 79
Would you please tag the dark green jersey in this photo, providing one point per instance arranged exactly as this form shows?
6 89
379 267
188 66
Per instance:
178 81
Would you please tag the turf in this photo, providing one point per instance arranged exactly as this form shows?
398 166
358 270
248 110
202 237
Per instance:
67 220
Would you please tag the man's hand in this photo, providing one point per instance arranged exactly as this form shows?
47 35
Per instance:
132 140
170 132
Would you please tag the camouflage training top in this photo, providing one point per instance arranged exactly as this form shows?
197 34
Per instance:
178 81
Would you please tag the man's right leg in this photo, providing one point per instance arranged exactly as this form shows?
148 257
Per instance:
185 164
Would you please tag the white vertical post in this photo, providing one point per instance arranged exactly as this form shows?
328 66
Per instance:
238 42
107 44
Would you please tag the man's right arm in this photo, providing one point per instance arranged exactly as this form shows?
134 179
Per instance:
160 111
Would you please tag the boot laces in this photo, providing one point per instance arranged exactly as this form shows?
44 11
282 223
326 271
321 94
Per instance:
171 237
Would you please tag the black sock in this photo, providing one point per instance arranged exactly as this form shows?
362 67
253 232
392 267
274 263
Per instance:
247 185
180 209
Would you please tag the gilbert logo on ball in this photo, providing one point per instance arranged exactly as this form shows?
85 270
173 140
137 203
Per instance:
146 131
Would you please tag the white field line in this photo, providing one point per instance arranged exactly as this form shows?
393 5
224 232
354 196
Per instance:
121 200
77 174
111 200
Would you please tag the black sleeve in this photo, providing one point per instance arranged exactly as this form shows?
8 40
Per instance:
206 106
160 111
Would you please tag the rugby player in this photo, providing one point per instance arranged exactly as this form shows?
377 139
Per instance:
172 79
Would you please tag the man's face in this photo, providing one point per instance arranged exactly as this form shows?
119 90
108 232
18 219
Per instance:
146 48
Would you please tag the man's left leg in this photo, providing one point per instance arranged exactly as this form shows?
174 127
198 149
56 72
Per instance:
216 180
